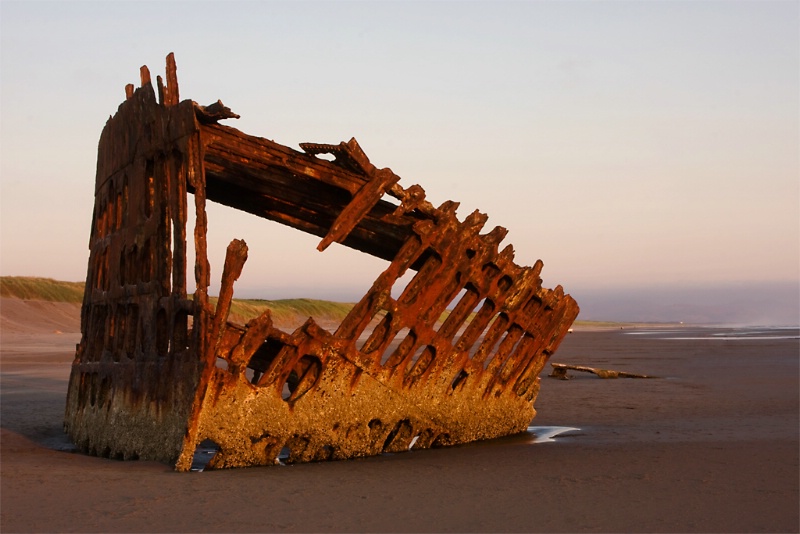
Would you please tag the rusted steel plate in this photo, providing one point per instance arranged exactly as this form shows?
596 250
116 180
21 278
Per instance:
455 358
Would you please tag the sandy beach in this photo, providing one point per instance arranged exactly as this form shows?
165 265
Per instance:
710 446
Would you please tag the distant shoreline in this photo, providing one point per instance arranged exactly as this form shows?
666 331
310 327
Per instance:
283 310
286 311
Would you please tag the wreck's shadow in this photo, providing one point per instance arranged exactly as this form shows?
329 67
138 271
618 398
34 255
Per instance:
33 407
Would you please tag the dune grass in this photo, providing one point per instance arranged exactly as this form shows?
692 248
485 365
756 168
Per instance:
288 310
242 310
30 288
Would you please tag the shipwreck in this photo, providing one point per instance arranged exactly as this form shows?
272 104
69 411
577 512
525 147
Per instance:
160 370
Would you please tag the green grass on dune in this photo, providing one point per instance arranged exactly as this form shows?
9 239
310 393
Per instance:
242 310
29 288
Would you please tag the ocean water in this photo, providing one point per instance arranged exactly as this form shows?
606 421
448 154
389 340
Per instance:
547 434
717 333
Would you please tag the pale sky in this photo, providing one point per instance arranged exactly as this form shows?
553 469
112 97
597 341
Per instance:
632 146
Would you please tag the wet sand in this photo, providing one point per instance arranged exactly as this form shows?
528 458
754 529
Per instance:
710 447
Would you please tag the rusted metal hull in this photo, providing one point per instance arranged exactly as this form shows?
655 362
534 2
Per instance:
454 358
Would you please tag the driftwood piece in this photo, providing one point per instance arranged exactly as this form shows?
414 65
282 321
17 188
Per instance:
157 371
560 371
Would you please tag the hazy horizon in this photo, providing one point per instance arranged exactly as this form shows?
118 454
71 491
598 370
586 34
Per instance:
647 152
734 304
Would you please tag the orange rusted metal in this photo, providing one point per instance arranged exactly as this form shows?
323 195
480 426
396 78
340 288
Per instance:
454 358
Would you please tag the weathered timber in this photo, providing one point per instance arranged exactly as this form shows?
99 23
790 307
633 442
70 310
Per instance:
158 372
560 371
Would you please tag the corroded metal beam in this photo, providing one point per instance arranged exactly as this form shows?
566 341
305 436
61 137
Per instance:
455 358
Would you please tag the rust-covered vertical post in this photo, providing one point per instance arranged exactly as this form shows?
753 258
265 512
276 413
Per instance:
131 384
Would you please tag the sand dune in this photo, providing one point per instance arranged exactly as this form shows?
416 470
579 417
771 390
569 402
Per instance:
38 316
